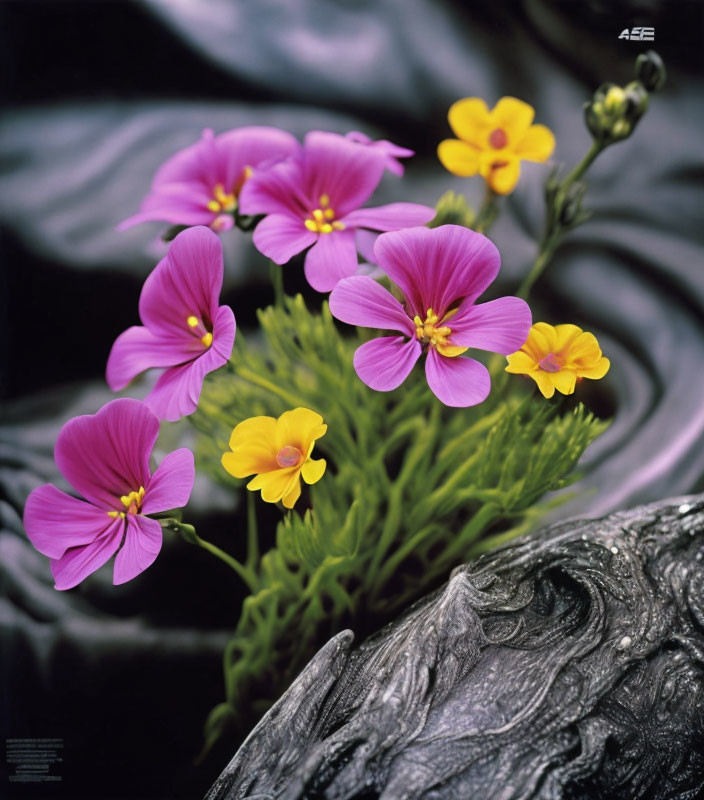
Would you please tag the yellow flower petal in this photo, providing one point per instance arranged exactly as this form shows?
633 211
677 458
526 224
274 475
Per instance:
253 429
289 499
542 339
313 470
253 444
459 158
545 384
536 144
565 335
513 116
564 381
503 179
299 428
597 371
584 351
520 363
275 484
469 120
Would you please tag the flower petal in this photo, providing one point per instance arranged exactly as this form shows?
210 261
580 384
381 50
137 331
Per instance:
185 283
391 217
520 363
545 382
184 203
176 393
77 563
105 455
138 349
143 540
313 470
435 267
469 120
276 190
597 371
457 382
564 381
171 484
542 339
275 484
536 144
513 116
299 427
280 236
359 300
254 444
224 329
250 146
365 241
385 363
500 326
343 170
458 157
195 164
391 151
503 179
332 257
294 492
55 521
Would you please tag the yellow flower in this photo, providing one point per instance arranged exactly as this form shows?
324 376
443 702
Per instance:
555 357
277 452
493 143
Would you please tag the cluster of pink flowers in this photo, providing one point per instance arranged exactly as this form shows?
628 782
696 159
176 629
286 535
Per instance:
308 196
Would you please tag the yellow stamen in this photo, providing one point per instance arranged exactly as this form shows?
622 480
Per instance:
222 200
437 336
116 514
132 501
192 321
207 339
213 206
322 220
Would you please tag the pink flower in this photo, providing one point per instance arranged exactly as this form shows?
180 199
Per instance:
200 184
185 332
314 198
392 152
441 272
105 457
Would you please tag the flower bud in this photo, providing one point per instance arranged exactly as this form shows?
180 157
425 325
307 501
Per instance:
452 209
571 213
650 71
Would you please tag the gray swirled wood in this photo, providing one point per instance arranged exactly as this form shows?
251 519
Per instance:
569 664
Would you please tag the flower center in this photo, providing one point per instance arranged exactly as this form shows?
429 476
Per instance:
322 219
132 503
430 333
289 456
222 201
551 363
197 328
498 138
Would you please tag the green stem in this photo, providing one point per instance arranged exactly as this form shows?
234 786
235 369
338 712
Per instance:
583 165
547 248
252 533
277 280
488 211
188 532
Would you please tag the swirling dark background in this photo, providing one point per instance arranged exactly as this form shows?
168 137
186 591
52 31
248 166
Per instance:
97 95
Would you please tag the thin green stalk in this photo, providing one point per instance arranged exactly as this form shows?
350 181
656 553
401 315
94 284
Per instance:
277 280
245 573
488 211
583 165
252 533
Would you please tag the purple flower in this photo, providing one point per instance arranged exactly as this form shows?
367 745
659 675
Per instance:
441 272
314 198
185 332
200 184
392 152
105 457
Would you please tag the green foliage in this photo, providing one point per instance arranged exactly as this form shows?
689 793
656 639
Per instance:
453 209
411 490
